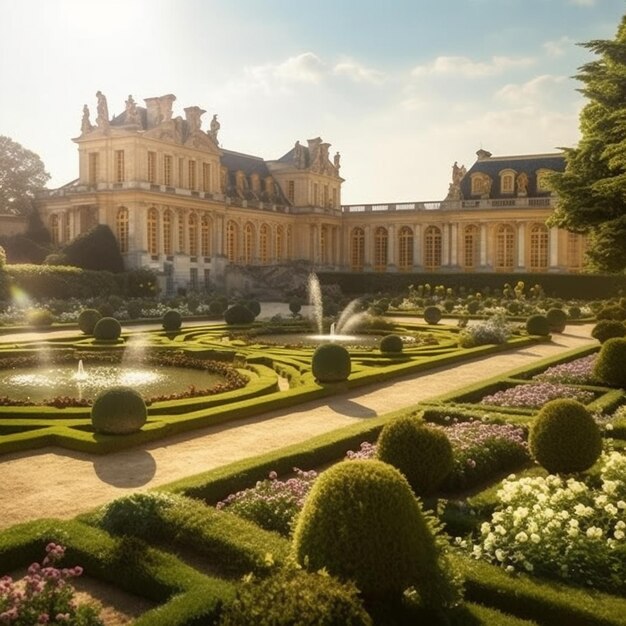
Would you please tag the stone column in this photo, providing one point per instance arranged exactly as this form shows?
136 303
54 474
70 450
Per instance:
368 247
417 246
521 247
454 245
392 265
554 248
445 245
483 245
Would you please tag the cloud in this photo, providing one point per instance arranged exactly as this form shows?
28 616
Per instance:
583 3
559 47
357 72
536 89
464 66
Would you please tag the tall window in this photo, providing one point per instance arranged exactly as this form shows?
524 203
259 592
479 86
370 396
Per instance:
334 204
289 243
181 232
315 194
168 249
231 241
470 247
432 248
152 162
153 231
264 244
206 177
181 172
381 241
405 249
574 251
193 278
248 243
119 166
505 247
291 191
93 168
357 249
325 196
538 248
279 243
167 170
192 174
205 236
54 228
192 224
121 227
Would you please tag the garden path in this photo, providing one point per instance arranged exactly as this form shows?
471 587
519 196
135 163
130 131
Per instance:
57 483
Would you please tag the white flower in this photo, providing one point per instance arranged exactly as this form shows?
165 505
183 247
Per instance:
500 555
521 537
619 534
611 509
593 532
535 538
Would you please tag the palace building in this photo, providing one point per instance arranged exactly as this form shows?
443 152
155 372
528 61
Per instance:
186 207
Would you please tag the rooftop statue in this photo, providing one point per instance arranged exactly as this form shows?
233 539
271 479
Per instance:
215 127
85 126
102 119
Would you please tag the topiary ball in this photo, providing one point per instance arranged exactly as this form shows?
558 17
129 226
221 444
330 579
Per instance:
608 329
391 343
107 329
331 363
294 596
238 314
39 318
295 306
610 363
254 306
564 437
118 411
172 320
423 454
432 314
538 325
557 320
574 312
361 522
216 307
472 306
87 320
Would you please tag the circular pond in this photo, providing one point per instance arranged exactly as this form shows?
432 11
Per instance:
84 383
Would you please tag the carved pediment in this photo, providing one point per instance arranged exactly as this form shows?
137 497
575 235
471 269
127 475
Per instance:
167 131
201 141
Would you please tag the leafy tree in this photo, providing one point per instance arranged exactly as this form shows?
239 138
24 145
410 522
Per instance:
592 189
22 175
97 249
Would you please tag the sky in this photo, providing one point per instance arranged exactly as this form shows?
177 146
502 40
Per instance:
401 88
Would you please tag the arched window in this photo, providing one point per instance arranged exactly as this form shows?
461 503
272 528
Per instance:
505 248
507 181
182 232
574 251
324 241
167 233
54 228
205 236
153 231
264 244
279 243
470 247
357 249
538 248
232 241
248 243
381 243
432 248
192 229
405 249
121 228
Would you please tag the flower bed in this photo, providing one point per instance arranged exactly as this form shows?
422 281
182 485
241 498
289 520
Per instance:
577 372
535 395
565 528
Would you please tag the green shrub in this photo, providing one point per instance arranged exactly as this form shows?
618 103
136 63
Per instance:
391 343
574 312
134 309
238 314
610 364
216 307
295 306
87 320
96 249
106 309
564 437
608 329
293 596
172 320
361 522
107 329
557 320
538 325
611 312
423 454
331 363
118 411
254 306
39 318
432 314
472 306
137 515
448 305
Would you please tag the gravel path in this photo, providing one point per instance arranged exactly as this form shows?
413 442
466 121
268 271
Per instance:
59 483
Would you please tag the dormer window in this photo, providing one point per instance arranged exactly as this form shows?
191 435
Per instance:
542 180
507 181
481 184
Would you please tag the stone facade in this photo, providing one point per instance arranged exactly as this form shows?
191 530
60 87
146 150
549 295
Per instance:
181 204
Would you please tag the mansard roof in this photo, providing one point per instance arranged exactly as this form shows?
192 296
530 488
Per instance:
247 163
530 164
